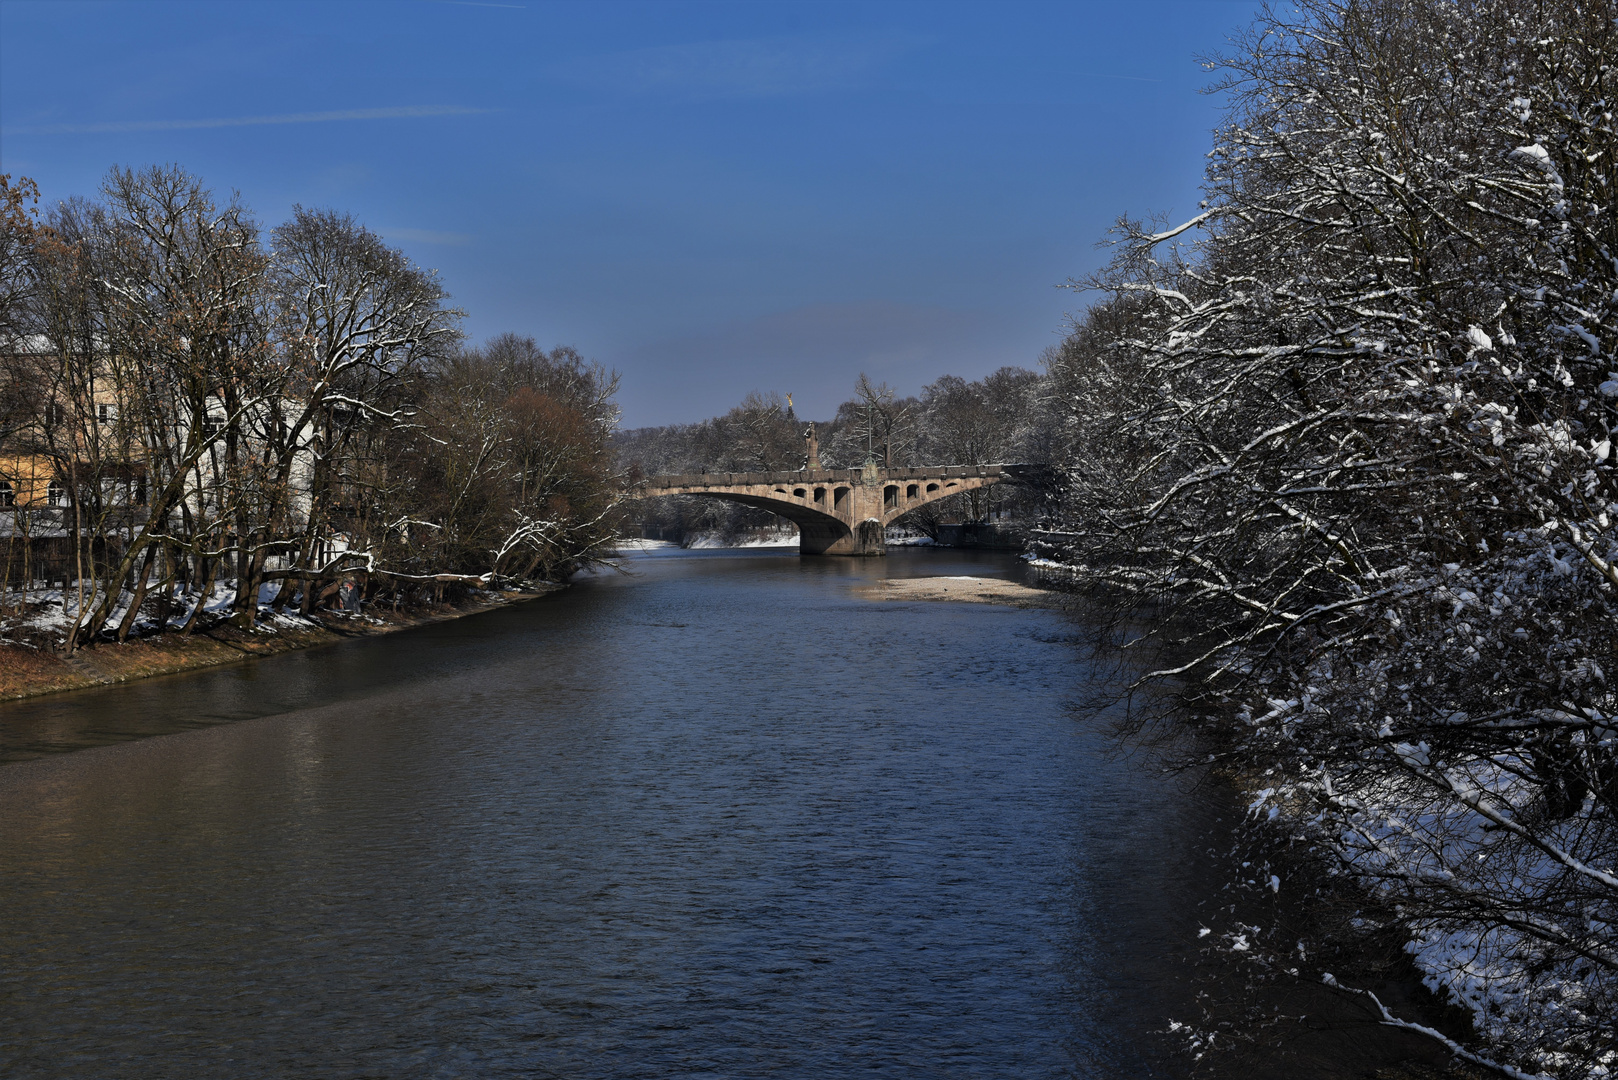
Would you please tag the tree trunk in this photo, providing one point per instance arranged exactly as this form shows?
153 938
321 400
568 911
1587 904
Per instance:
202 596
138 597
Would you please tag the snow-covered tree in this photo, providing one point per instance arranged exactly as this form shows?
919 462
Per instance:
1352 425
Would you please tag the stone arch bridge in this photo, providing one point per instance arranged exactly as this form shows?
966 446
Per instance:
837 511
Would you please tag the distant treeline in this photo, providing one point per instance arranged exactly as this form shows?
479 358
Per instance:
188 401
1005 417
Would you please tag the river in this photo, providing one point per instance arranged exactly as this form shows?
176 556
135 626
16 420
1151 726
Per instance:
718 816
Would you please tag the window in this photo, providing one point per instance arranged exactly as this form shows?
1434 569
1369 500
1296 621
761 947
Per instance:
8 497
55 415
105 413
56 493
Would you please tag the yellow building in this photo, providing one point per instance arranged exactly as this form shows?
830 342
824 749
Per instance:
29 481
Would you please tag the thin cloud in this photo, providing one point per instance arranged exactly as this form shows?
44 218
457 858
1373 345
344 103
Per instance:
119 127
428 236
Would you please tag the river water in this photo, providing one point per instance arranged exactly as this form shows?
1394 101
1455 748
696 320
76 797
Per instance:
719 816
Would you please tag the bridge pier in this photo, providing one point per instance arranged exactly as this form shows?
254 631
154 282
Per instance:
868 537
871 537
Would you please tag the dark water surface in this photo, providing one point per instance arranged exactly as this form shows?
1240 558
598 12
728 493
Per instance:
722 818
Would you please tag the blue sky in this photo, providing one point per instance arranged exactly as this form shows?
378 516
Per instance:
711 198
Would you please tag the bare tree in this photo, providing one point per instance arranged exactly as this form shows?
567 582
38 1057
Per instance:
884 420
760 435
356 322
181 285
18 232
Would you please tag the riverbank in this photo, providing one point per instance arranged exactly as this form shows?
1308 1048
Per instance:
27 671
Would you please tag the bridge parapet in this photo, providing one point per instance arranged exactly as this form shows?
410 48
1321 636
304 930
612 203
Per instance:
820 476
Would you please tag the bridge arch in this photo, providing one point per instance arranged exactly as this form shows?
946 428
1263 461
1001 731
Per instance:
837 511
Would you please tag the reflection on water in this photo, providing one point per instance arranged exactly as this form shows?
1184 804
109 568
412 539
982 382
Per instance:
360 668
719 818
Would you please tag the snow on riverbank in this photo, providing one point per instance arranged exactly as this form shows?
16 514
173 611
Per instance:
31 661
773 540
634 544
43 617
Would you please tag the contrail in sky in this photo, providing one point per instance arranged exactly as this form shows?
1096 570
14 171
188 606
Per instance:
124 126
